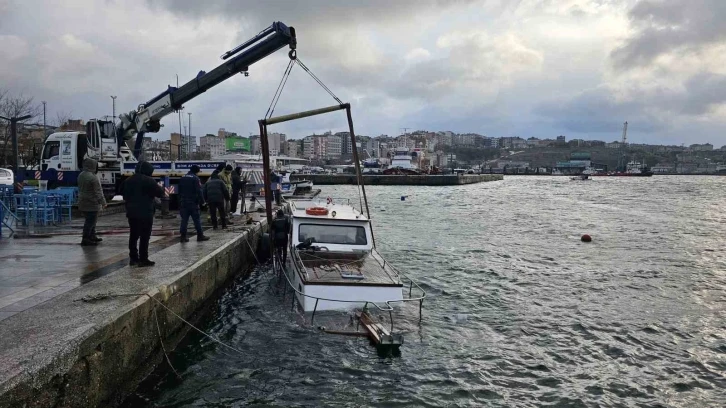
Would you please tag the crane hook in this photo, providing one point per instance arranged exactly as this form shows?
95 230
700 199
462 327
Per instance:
292 54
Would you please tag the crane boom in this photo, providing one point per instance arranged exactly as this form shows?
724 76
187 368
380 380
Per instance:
148 115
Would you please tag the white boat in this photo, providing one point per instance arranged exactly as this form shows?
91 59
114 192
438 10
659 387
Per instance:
302 185
333 262
402 158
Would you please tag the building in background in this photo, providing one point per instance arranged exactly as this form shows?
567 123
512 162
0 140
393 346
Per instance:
212 145
255 144
292 148
223 134
346 145
332 146
184 144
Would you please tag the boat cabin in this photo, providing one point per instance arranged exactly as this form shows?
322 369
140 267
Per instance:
333 257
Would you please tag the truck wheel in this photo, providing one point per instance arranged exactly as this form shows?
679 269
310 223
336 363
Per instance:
52 184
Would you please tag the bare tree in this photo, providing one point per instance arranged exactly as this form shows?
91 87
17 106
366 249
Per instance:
14 106
62 118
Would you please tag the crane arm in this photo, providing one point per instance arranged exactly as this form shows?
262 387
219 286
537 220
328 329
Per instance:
148 115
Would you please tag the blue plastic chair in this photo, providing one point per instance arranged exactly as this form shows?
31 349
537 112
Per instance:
45 208
65 204
23 205
7 219
6 195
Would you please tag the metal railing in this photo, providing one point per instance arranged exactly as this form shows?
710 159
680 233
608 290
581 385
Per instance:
300 267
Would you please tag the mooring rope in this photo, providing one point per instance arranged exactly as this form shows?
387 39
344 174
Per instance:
101 296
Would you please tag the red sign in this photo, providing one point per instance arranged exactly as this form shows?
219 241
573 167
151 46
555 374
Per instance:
37 175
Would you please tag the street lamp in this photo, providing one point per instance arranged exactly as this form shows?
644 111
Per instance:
113 97
44 129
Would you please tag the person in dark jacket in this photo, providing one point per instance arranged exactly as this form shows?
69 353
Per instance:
90 201
139 192
239 185
280 231
276 181
216 193
190 199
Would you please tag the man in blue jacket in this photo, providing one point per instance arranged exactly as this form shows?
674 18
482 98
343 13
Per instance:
190 199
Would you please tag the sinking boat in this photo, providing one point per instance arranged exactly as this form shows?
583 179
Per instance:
333 263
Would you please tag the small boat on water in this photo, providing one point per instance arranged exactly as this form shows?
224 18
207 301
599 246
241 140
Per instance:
301 186
333 262
581 177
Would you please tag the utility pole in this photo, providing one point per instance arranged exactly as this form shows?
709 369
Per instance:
44 128
180 121
113 98
189 136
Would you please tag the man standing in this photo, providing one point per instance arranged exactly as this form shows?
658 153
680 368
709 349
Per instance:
276 181
139 192
90 201
239 186
216 193
280 231
226 176
190 199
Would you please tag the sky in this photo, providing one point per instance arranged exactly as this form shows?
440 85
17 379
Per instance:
541 68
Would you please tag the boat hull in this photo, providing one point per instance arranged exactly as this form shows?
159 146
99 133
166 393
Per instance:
341 297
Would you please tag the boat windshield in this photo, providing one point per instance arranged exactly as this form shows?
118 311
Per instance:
333 234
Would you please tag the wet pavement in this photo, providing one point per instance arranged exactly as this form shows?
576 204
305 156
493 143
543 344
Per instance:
39 265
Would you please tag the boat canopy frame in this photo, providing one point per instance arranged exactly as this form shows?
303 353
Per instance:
265 145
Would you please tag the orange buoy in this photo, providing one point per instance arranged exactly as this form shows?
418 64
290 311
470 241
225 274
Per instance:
585 238
316 211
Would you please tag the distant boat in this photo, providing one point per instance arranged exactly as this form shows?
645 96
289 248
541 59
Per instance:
403 159
633 169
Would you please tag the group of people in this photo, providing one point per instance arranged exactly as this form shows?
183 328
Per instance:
221 193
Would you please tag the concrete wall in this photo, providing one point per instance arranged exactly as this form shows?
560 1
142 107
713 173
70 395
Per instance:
93 354
376 180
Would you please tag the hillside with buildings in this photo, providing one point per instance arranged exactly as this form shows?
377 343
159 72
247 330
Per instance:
442 149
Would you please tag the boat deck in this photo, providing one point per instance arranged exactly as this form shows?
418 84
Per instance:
348 268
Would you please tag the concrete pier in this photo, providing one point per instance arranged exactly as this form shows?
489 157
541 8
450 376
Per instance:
382 180
79 326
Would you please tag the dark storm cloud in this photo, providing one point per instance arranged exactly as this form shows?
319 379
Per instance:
323 12
598 111
671 26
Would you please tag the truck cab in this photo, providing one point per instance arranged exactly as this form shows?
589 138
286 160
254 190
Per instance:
65 151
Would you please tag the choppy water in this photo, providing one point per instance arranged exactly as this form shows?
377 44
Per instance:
520 312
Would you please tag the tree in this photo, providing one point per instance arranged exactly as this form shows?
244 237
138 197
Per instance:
14 106
62 118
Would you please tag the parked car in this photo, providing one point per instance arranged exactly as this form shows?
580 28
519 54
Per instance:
6 176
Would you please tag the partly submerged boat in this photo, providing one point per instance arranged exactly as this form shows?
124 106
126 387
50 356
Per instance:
333 262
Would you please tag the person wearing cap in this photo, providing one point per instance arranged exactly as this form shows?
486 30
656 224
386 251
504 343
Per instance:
190 199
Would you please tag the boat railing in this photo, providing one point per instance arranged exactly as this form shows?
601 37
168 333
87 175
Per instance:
330 200
385 306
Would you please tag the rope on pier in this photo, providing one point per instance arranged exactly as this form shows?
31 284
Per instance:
102 296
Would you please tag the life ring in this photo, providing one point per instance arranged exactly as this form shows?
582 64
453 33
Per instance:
316 211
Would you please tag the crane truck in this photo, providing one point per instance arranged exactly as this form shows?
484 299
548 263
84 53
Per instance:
62 154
